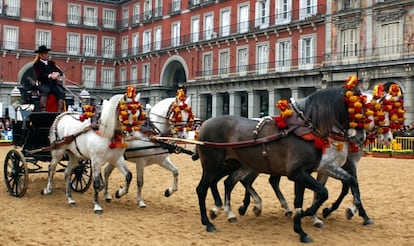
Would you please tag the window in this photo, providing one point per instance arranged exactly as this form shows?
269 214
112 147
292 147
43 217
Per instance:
307 8
44 10
242 61
158 8
43 37
134 75
349 4
109 18
125 17
146 73
195 29
175 34
225 22
73 43
262 58
89 76
306 53
349 40
13 7
89 45
108 77
390 37
283 12
74 14
283 56
11 38
157 38
262 14
124 46
135 44
176 5
243 18
135 17
224 63
147 9
208 26
91 16
207 65
108 47
146 42
123 76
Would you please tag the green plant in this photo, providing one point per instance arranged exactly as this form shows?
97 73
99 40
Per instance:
403 151
381 150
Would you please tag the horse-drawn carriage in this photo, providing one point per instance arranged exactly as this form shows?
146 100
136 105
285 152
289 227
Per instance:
31 155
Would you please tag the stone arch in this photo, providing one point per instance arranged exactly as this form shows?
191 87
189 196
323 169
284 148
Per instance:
174 73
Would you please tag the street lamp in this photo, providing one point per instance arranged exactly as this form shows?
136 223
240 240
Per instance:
85 97
15 97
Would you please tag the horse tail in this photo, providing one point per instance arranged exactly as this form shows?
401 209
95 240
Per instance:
109 117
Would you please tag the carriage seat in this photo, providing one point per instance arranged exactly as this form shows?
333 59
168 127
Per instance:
38 125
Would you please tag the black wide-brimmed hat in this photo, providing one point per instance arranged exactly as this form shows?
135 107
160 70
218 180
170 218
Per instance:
42 49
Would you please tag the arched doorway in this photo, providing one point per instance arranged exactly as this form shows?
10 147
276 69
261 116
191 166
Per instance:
174 74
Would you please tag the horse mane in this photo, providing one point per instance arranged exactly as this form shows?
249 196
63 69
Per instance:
109 118
326 109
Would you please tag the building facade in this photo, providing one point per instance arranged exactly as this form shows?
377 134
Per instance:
234 57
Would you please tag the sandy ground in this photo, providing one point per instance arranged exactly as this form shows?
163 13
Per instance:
386 186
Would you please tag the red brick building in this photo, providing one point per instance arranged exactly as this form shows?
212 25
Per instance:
234 57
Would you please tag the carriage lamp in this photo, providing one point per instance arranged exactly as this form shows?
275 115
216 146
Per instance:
15 97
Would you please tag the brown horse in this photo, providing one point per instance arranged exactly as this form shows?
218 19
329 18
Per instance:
229 143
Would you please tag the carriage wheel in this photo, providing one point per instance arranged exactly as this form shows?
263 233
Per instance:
16 174
81 176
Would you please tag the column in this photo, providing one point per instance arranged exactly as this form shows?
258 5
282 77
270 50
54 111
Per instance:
295 93
234 103
272 102
409 100
217 105
253 104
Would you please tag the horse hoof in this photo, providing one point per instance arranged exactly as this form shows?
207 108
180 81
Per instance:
318 225
213 215
368 222
72 204
98 212
349 214
257 211
211 229
288 214
326 212
242 210
142 206
167 193
232 220
306 239
108 200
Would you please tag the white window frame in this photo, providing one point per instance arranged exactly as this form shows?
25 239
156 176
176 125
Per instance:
283 12
135 44
283 55
242 60
124 46
44 10
89 45
209 26
147 9
307 52
157 38
146 73
90 16
207 65
262 57
13 7
262 14
125 17
11 37
123 76
243 17
73 43
175 34
225 22
307 8
43 37
109 18
108 77
74 14
89 76
195 29
224 63
349 43
146 41
136 13
108 47
176 5
390 40
134 75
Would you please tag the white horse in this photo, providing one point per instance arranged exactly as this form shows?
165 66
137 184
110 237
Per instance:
72 135
163 120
